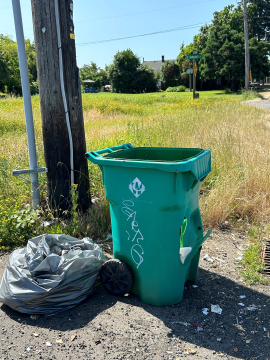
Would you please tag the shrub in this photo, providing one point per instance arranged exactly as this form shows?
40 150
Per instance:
127 75
180 88
170 73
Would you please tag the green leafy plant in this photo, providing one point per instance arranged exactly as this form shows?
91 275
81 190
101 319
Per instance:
26 217
252 262
250 95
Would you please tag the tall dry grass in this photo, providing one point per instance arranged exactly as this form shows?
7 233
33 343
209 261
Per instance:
237 135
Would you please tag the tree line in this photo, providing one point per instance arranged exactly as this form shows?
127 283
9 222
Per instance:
10 80
220 43
222 46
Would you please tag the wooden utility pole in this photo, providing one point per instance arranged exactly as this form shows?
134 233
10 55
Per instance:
60 102
247 58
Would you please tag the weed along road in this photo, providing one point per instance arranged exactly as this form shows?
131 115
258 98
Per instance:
109 327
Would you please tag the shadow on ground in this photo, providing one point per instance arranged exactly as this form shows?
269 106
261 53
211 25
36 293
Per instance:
238 331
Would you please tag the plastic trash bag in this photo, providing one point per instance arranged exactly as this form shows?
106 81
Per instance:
53 273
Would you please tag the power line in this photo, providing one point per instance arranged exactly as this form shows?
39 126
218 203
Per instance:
132 14
143 12
141 35
135 36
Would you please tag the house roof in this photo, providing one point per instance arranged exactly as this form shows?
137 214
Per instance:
156 64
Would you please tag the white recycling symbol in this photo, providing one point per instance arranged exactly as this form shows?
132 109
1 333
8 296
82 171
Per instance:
136 187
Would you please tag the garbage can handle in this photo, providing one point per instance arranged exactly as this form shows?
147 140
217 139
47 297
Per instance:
187 253
95 154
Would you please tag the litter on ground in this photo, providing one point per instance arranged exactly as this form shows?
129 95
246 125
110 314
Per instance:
216 309
207 258
205 311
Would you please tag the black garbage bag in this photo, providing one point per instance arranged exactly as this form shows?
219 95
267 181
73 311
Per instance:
53 273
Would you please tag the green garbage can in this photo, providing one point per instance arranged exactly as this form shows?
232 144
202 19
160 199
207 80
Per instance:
156 223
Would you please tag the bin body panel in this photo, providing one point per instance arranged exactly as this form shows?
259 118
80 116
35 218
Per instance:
146 229
150 198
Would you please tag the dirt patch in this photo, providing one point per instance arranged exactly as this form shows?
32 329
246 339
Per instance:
109 327
265 94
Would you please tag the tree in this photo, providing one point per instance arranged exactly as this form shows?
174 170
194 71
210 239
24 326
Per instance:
169 74
259 19
123 71
3 72
224 50
10 77
145 79
128 75
95 73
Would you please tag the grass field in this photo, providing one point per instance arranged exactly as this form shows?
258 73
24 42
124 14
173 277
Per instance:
237 135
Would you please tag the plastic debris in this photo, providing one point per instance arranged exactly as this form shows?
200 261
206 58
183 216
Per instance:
73 337
207 258
205 311
195 286
264 329
47 223
216 309
1 260
169 352
48 343
36 334
242 296
251 308
239 258
53 273
59 341
241 304
184 251
218 339
28 349
247 341
109 237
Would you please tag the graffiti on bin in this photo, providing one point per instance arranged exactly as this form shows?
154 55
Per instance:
135 234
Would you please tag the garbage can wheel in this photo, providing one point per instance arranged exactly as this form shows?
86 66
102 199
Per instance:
116 277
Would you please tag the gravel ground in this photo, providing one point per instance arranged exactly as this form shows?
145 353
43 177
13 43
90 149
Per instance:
108 327
263 104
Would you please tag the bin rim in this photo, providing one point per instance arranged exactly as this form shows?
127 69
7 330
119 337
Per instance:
199 165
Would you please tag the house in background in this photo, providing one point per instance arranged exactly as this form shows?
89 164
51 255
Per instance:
156 65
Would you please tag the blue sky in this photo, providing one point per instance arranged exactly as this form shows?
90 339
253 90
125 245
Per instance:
107 19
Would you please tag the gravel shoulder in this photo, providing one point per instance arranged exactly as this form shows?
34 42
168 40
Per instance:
263 103
109 327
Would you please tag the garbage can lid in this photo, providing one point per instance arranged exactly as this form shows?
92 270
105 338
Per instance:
166 159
